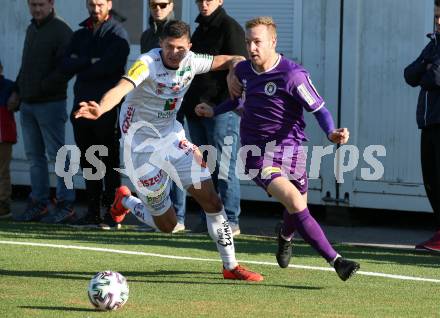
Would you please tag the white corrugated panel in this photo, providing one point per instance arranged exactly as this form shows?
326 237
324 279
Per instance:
282 11
377 105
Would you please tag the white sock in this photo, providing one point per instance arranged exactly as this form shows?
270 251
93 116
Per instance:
139 210
220 232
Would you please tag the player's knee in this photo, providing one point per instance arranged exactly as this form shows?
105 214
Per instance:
294 207
167 228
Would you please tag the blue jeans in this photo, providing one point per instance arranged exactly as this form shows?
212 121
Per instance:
43 126
212 131
178 198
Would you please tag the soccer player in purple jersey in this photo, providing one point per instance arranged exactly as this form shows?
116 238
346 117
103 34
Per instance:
275 93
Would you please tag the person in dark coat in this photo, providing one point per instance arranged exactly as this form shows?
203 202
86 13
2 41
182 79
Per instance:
40 93
217 33
97 55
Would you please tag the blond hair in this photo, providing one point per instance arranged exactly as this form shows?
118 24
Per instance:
267 21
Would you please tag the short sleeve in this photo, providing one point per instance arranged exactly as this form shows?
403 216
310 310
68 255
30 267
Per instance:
138 72
305 92
201 63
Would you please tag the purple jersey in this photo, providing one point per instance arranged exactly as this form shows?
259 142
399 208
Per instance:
273 103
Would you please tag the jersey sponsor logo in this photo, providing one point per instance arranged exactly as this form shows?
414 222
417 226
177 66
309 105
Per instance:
166 114
183 71
270 88
160 88
169 108
175 88
128 119
157 202
205 56
137 70
162 74
186 81
148 182
170 104
305 94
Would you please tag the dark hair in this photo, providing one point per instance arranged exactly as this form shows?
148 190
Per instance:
437 3
175 29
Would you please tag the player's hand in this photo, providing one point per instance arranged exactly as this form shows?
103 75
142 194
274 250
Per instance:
204 110
234 86
339 136
89 110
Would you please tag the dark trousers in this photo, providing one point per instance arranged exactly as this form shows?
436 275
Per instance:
104 131
430 157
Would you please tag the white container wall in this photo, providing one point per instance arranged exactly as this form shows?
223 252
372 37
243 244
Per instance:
357 67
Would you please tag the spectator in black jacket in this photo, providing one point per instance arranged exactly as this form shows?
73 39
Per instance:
425 72
217 33
41 88
161 12
97 54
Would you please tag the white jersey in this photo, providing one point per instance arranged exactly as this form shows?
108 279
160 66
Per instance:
159 93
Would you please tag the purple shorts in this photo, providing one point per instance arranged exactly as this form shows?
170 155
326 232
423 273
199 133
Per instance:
290 162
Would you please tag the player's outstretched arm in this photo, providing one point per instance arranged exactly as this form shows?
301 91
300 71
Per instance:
93 110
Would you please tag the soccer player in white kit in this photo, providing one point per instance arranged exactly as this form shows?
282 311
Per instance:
154 141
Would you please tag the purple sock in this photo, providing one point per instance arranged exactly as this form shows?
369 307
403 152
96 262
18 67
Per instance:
288 228
312 233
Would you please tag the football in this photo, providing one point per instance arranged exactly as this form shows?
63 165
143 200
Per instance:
108 290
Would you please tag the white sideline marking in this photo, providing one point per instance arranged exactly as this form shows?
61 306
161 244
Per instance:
109 250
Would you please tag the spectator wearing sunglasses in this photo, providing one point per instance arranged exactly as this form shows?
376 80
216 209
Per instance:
161 12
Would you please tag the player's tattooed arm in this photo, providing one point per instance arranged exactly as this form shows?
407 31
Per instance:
93 110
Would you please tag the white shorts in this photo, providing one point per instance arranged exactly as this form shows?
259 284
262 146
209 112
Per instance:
176 161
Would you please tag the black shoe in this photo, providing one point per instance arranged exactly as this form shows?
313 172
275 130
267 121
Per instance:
87 222
284 253
34 212
345 268
108 223
63 213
